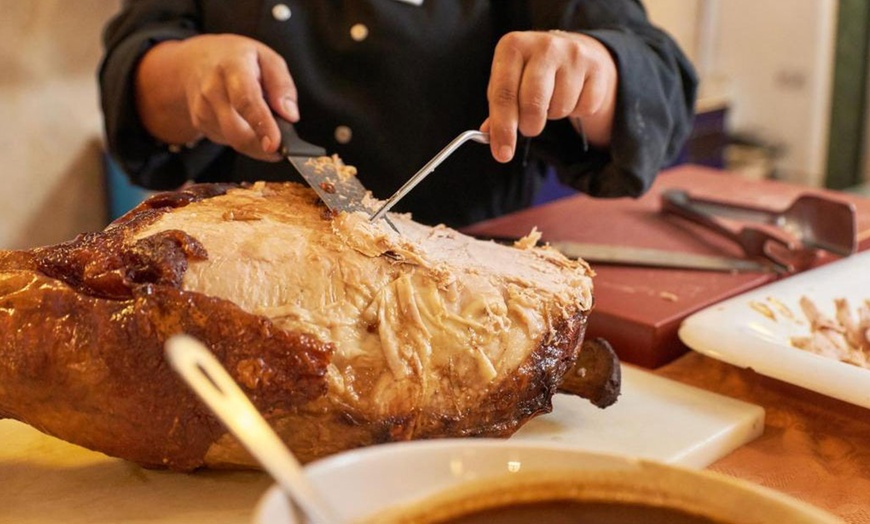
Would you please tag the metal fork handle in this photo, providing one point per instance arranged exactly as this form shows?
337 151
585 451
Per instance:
207 377
477 136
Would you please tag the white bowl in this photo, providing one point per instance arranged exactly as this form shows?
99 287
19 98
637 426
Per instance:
363 483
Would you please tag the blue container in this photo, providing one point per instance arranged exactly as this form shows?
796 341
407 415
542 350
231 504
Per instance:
122 195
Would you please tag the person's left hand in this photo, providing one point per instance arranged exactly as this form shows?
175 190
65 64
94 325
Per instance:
539 76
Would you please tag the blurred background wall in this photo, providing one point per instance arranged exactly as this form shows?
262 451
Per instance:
50 130
773 64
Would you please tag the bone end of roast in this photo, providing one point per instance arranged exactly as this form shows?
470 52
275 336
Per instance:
596 375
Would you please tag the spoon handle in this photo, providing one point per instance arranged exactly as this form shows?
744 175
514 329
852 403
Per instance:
209 380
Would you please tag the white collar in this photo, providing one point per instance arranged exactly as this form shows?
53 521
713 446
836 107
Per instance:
413 2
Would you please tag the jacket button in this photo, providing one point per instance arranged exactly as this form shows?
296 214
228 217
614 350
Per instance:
359 32
281 12
343 134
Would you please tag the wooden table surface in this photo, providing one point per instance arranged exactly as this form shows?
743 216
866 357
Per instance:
813 447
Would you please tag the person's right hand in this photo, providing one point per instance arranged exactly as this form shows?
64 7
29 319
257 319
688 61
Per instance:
221 87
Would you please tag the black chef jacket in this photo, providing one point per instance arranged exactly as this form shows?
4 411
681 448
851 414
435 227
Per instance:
410 79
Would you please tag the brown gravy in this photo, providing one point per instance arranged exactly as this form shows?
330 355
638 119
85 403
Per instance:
573 512
649 495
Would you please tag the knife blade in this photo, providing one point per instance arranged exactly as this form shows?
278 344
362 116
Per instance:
334 183
638 256
647 257
339 189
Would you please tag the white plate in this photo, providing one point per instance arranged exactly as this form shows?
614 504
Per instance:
362 483
735 332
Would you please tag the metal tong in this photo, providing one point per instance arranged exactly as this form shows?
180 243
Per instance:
477 136
788 239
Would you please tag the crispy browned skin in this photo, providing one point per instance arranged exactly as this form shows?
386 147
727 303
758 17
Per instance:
82 328
83 359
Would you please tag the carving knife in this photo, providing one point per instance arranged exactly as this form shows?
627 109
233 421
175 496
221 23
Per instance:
339 188
638 256
649 257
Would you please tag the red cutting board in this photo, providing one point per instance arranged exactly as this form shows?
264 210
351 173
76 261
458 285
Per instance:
638 310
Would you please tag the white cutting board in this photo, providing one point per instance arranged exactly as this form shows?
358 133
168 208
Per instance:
654 418
43 479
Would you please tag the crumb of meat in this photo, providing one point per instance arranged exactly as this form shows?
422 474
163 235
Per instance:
781 308
344 171
373 204
333 163
529 241
670 297
763 308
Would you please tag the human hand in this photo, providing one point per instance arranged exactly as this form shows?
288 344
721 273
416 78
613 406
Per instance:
227 87
539 76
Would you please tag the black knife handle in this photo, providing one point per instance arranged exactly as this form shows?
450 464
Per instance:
292 144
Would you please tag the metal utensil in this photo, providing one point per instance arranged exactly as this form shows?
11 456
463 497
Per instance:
649 257
339 189
477 136
208 379
817 221
608 254
762 240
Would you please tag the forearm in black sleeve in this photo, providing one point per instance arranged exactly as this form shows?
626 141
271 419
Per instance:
137 28
654 105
